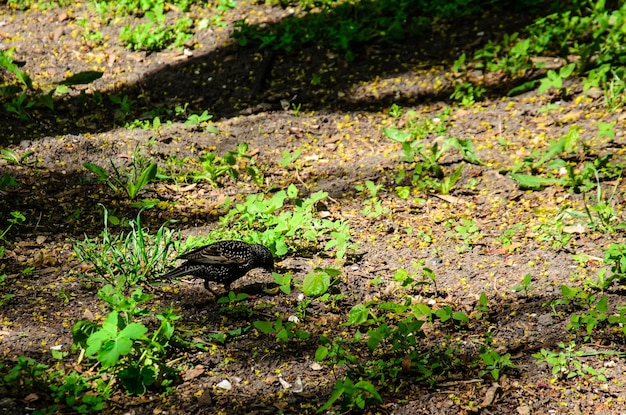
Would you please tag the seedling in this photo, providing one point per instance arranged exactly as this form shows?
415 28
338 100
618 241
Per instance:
131 180
525 285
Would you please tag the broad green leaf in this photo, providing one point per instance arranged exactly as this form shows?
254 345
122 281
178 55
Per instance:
528 181
358 315
393 307
316 284
321 353
82 78
292 191
421 310
460 316
396 134
264 326
367 386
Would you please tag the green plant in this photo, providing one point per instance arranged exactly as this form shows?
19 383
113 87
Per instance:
373 205
131 180
127 258
195 120
395 111
283 281
21 97
77 392
355 396
506 239
555 80
235 304
482 306
282 330
155 34
425 159
614 92
420 276
121 344
466 231
289 157
319 281
525 285
269 222
26 374
494 362
214 167
125 104
10 156
467 93
615 257
566 363
595 314
7 181
602 215
16 218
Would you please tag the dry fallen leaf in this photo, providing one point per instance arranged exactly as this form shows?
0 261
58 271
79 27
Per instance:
193 373
451 199
574 229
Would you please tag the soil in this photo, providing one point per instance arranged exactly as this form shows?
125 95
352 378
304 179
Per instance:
337 121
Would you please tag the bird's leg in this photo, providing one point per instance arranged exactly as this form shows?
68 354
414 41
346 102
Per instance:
208 287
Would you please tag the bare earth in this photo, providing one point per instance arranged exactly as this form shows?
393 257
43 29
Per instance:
339 129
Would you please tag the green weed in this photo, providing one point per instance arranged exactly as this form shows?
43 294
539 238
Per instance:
132 179
566 363
125 259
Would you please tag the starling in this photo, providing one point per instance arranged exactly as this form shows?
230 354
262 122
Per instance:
223 262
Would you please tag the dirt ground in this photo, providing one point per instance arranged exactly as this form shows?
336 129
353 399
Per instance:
339 130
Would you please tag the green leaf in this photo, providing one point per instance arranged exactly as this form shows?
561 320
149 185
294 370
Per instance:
316 284
264 326
135 380
467 148
396 134
6 181
82 78
102 174
321 353
109 345
421 310
368 387
528 181
7 62
602 305
81 331
460 316
393 307
282 335
358 315
147 175
337 392
403 192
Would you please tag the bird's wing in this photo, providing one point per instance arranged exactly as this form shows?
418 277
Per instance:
211 254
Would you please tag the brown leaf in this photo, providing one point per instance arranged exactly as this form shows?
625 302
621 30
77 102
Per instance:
193 373
574 229
31 397
451 199
177 188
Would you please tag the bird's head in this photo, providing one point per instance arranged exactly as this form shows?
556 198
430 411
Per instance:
265 259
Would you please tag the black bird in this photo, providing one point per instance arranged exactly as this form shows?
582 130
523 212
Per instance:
223 262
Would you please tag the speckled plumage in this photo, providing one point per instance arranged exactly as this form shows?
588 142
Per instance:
223 262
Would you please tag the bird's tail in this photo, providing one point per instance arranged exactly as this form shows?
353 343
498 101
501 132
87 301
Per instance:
176 272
